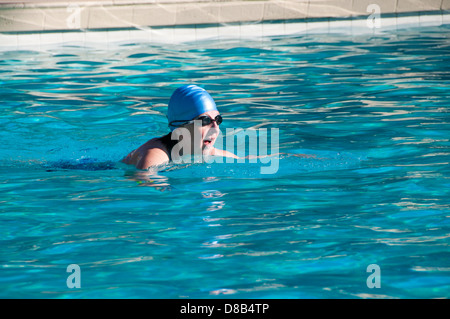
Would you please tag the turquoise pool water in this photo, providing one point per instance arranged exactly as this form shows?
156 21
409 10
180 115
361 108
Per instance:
375 109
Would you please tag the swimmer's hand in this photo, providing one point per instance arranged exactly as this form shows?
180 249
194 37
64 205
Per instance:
278 154
218 152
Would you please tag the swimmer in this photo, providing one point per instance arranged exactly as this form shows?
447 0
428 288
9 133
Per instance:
187 103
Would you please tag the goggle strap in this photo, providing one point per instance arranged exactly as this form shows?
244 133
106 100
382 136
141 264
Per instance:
189 121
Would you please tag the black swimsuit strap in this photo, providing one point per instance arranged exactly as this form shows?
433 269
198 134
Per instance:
169 143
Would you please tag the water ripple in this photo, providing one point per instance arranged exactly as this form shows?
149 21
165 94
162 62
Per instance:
371 113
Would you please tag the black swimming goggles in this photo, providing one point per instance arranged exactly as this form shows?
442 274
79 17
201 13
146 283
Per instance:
206 120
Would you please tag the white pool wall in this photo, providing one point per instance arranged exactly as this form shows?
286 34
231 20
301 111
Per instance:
36 23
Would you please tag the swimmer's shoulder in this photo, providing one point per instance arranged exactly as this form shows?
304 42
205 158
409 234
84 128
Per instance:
153 153
153 157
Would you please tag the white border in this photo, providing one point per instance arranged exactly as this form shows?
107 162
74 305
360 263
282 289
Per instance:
217 32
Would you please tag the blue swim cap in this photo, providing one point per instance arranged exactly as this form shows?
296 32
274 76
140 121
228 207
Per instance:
188 102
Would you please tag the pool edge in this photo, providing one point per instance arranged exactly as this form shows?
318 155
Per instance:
34 22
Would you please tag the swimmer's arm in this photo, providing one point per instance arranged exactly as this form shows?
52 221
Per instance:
153 157
223 153
229 154
278 154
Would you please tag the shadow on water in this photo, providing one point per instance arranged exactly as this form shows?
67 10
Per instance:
84 164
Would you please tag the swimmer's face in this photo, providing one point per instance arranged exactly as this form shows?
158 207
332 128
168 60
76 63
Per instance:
211 131
208 133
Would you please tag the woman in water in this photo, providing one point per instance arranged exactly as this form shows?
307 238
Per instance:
187 104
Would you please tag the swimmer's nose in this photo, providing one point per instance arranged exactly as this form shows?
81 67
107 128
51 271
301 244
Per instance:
214 126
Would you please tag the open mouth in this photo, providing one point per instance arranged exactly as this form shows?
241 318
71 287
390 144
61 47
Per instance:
209 140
